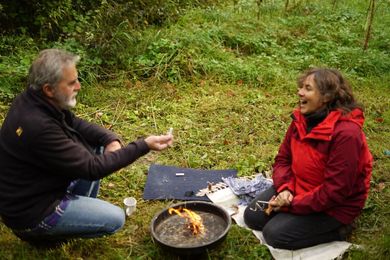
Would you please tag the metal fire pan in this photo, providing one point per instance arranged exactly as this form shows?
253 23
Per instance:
195 206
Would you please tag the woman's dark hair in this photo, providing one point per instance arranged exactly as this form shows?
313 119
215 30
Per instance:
333 87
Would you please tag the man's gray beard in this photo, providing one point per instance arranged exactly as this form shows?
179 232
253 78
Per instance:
64 102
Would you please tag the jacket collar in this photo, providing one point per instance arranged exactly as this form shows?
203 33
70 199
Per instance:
325 129
39 99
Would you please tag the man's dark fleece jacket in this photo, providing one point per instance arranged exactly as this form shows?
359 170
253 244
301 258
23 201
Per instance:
42 149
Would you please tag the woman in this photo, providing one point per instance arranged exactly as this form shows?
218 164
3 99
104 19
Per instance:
322 171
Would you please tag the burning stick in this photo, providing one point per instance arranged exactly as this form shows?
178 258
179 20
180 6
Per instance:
235 209
260 205
268 210
210 185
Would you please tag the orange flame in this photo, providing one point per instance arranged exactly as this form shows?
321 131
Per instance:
194 221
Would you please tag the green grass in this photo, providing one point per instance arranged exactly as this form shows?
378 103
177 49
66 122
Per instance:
225 81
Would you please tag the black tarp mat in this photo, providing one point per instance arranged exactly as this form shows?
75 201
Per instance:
169 182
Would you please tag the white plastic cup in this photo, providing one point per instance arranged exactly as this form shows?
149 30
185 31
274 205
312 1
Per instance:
130 205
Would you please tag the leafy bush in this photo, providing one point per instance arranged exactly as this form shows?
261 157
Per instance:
116 40
47 19
61 18
16 54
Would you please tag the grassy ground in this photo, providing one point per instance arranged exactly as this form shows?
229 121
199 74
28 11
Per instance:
228 89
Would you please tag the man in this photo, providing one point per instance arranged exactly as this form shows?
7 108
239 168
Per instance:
50 171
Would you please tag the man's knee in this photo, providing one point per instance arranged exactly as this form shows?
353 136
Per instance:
116 221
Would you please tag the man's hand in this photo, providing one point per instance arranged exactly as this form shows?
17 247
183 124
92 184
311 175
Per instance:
113 146
283 199
160 142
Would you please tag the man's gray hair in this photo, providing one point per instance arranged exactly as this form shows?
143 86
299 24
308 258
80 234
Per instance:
48 67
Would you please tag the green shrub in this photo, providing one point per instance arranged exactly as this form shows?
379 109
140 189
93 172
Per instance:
61 18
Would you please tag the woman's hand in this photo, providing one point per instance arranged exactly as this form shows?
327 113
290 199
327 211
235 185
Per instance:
160 142
283 199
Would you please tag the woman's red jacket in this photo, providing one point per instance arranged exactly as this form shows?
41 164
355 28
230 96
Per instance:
328 169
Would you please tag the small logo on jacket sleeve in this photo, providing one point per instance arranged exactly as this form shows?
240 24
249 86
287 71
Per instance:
19 131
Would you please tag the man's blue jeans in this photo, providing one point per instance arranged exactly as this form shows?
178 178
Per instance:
87 216
84 217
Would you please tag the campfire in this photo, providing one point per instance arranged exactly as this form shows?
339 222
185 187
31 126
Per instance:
194 221
191 227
